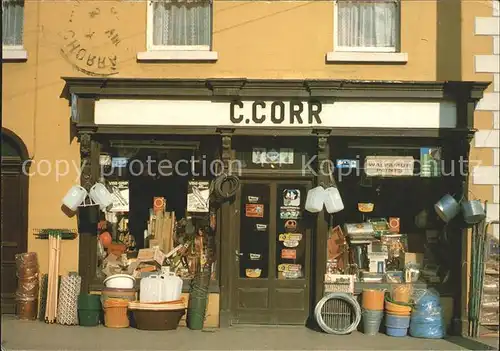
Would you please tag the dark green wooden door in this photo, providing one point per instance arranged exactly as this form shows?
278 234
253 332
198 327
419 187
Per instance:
272 253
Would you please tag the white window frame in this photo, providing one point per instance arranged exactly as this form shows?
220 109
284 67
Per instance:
15 52
338 48
150 32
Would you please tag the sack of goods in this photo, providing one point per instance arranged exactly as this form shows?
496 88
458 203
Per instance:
427 317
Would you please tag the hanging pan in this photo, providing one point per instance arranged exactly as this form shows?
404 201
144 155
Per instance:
447 208
473 211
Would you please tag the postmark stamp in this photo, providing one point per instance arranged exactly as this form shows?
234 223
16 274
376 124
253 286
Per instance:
90 41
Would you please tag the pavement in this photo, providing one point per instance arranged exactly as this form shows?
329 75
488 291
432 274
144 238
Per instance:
35 335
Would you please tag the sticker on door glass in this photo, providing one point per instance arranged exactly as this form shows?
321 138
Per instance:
291 275
290 239
290 236
252 199
255 257
288 212
289 267
261 227
291 243
254 210
291 197
253 273
289 254
291 225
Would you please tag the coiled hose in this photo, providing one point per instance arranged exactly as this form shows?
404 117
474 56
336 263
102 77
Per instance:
216 187
322 312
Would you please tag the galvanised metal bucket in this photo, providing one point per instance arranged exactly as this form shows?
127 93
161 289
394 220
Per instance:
473 211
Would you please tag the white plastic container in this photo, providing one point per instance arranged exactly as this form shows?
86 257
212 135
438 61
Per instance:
151 289
333 200
172 287
101 196
75 196
315 199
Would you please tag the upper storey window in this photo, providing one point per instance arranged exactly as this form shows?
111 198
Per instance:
367 25
179 25
12 23
12 30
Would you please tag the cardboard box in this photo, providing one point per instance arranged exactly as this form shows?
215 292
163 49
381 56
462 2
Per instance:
414 258
151 255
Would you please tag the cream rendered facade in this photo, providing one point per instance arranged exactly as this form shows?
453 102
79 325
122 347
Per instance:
439 41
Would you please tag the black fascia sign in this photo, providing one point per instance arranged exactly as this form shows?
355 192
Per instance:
297 113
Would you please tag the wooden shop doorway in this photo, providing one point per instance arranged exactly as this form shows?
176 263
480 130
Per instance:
14 213
271 275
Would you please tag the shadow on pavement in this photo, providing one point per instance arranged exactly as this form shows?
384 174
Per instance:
469 344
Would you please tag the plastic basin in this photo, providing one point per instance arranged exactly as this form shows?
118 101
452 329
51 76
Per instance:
394 321
397 332
157 320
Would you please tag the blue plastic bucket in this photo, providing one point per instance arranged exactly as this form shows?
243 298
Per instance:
394 321
397 332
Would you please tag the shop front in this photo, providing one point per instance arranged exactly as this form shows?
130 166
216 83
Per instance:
167 145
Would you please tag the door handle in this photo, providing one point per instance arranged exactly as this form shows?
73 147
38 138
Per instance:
237 255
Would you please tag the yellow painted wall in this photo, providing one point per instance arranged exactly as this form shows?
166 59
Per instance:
254 39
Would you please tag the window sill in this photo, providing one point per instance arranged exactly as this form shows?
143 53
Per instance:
177 55
369 57
14 54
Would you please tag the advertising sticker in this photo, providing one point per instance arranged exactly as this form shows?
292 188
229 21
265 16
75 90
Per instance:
289 254
254 210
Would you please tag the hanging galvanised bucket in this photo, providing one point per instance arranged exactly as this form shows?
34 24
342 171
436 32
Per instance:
473 211
447 208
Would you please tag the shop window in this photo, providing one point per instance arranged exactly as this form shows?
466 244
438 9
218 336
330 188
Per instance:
179 25
12 24
161 215
367 25
389 227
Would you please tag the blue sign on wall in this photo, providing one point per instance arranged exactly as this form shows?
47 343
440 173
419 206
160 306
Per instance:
347 163
119 162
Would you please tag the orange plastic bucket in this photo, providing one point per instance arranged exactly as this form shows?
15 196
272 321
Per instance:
373 299
115 313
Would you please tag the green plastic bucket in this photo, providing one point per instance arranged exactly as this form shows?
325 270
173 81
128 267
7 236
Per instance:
89 302
195 319
89 318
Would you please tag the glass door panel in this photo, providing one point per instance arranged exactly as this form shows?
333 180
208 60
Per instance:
254 231
291 246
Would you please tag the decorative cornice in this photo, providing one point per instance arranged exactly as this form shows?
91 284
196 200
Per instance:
284 88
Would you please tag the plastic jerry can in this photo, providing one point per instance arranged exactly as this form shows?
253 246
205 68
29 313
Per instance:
333 200
151 289
172 287
315 199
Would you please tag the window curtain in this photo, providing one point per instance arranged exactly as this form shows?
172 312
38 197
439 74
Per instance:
182 22
12 22
367 23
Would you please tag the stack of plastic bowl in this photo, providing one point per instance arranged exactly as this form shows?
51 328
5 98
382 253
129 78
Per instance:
397 318
373 310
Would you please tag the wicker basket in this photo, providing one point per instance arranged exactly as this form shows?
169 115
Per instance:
115 313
